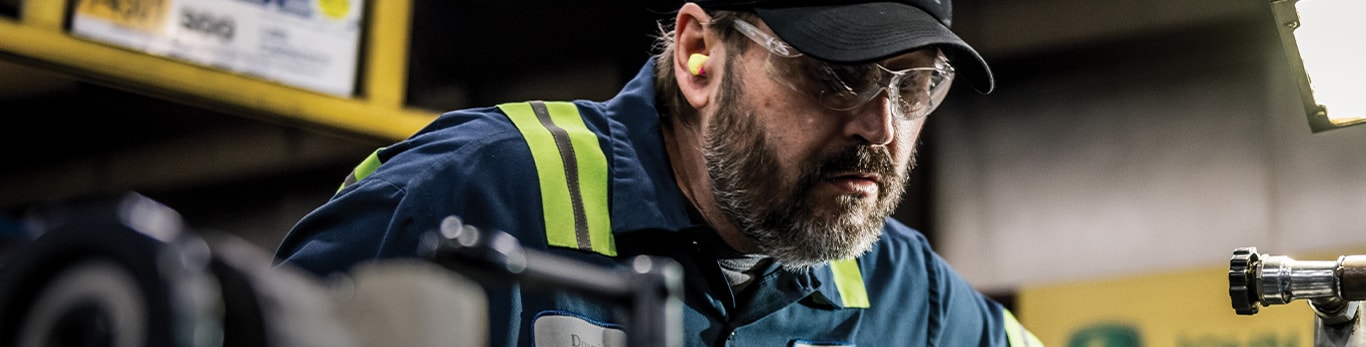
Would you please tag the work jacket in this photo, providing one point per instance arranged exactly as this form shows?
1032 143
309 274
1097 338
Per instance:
591 181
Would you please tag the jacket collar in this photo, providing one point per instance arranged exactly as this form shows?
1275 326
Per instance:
645 194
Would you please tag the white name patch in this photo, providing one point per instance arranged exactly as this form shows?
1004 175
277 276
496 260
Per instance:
557 329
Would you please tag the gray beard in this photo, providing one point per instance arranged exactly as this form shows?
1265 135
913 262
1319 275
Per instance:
781 214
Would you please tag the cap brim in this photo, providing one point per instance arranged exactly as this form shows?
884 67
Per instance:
867 32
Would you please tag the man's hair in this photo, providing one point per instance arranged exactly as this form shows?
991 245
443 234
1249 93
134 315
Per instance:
668 98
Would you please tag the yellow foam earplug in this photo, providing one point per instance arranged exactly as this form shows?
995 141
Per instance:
695 62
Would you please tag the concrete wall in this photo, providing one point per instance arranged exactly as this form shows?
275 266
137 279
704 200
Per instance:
1147 150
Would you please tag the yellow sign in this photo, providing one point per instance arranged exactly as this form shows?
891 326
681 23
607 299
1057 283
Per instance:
141 15
1178 309
308 44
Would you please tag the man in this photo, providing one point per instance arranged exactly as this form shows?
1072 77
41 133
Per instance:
763 149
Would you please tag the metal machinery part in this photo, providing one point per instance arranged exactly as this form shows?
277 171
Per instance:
1334 290
651 286
125 271
98 264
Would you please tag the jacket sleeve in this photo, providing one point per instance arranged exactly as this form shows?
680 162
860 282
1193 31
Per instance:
348 229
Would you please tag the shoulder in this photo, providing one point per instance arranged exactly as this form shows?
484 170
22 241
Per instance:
456 130
485 164
490 125
459 143
462 163
507 143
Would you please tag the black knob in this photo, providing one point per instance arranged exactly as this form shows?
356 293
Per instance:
1243 285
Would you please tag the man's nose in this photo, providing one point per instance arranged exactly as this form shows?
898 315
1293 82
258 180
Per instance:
873 122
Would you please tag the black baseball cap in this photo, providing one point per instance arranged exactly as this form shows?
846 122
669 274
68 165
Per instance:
854 31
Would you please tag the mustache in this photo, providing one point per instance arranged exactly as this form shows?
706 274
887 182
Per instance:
857 158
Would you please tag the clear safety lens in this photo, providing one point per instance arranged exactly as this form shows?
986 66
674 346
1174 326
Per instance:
912 93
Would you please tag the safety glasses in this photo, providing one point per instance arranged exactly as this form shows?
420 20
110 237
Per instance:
912 93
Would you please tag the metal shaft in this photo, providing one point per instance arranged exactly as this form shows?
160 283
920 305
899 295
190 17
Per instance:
1331 287
1285 280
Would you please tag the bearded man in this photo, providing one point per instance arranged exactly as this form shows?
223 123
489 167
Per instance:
763 148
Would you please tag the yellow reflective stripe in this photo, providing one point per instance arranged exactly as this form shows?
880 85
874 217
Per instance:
592 175
1016 332
363 170
849 281
572 171
555 201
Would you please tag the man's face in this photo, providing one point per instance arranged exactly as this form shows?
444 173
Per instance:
806 183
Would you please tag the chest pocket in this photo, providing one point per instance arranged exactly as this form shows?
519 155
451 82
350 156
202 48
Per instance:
572 172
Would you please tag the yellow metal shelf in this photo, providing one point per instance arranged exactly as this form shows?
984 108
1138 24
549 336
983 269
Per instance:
378 111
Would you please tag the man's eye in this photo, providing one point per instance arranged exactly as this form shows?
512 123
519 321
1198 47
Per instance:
917 83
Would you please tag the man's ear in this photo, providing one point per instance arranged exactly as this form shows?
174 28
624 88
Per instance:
697 56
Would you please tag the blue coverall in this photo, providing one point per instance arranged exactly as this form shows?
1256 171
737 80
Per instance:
476 164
